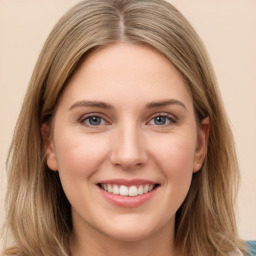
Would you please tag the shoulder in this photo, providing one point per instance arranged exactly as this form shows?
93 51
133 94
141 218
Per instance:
251 248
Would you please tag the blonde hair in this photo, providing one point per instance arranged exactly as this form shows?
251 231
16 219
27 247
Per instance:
38 212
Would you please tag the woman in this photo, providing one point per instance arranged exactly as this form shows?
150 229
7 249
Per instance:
122 145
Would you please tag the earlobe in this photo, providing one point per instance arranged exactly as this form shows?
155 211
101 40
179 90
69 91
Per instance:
202 142
49 149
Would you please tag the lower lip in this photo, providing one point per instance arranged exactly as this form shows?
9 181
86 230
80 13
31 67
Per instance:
128 201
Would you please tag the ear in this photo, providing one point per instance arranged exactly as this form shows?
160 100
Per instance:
50 153
202 142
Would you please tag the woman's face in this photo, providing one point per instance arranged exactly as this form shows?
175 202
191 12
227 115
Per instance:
125 124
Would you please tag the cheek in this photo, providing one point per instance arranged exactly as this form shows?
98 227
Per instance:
79 156
175 159
175 162
176 151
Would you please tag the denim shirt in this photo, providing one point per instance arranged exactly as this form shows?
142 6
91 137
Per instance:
251 248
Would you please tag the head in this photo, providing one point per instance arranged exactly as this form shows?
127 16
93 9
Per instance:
206 215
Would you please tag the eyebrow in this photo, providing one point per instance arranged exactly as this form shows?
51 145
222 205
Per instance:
164 103
95 104
103 105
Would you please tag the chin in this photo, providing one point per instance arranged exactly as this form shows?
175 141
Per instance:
131 230
130 235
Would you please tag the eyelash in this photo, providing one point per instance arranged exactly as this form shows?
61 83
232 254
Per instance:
171 118
84 118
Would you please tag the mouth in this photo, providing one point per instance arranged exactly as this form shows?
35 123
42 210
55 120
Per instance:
127 191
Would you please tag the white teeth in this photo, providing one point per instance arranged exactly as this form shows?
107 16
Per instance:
116 190
145 189
133 191
109 188
127 191
140 190
124 191
150 187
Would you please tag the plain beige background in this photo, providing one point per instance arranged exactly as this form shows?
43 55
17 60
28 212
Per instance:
228 29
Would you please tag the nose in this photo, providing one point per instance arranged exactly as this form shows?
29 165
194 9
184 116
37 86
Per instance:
128 148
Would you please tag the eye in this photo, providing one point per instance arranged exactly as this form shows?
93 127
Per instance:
93 121
161 120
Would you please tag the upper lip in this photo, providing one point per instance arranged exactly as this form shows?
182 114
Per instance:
127 182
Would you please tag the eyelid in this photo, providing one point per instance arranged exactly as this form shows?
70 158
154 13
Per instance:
171 117
84 117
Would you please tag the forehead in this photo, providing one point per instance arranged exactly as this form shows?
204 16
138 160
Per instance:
129 72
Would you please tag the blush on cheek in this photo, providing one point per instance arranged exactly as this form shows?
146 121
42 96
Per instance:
178 153
81 154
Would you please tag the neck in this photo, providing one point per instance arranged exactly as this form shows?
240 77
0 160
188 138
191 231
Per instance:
95 243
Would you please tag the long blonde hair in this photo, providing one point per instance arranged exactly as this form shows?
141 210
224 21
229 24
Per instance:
38 212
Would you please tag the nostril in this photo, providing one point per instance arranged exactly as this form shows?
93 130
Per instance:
128 150
128 162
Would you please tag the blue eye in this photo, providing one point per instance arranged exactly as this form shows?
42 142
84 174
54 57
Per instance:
161 120
94 121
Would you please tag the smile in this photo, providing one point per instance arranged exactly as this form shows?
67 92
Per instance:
123 190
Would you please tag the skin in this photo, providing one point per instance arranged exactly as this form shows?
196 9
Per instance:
127 143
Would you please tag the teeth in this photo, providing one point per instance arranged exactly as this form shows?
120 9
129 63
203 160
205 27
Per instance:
110 188
150 187
133 191
123 190
127 191
116 190
145 189
140 190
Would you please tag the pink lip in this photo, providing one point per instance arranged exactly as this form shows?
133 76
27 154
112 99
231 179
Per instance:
127 182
